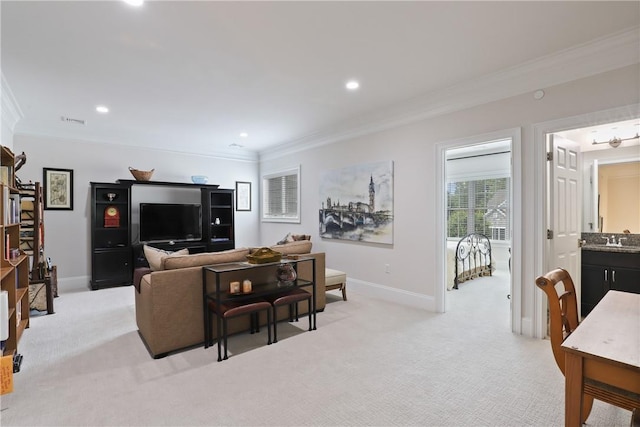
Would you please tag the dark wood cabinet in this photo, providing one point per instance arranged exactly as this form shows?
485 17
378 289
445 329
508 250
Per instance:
111 255
625 279
594 287
603 271
218 219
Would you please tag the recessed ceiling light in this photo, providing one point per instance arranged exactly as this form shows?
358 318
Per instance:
136 3
244 135
102 109
352 85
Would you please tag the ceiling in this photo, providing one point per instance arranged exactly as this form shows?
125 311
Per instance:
191 76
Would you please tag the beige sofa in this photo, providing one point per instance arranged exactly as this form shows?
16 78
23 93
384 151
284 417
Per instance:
169 303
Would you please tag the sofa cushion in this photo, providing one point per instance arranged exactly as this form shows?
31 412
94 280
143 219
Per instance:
155 256
296 247
207 258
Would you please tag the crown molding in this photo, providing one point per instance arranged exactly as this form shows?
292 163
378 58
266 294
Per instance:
11 112
65 136
608 53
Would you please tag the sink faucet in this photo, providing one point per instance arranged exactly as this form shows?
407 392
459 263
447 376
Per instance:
611 241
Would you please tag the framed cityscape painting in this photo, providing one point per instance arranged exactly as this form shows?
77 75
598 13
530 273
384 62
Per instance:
356 203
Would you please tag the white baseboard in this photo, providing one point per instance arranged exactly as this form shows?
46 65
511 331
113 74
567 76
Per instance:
74 284
397 296
527 327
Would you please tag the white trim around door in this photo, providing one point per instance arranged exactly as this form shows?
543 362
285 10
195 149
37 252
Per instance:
515 135
540 131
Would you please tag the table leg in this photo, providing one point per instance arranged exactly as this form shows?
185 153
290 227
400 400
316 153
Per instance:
574 385
49 289
313 293
218 327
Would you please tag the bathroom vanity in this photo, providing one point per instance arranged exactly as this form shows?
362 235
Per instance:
607 268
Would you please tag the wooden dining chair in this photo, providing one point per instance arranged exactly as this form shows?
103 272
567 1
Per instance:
563 320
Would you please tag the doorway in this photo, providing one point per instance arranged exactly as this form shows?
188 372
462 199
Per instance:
584 130
467 161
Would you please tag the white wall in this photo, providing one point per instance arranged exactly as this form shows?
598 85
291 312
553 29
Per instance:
6 136
67 236
412 257
11 113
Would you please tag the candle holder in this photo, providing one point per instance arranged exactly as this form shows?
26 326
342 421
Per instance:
234 287
246 286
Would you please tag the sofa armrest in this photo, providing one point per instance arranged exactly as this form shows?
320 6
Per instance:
169 309
138 273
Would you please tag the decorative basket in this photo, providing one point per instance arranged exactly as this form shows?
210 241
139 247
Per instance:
141 175
263 256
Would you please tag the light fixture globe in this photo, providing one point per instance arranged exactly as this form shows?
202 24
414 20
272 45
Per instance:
615 142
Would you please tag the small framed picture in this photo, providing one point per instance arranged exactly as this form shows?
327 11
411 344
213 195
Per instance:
58 189
243 196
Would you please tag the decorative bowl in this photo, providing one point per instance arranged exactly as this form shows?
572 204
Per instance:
199 179
141 175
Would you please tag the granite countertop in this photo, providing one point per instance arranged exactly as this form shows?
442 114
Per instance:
604 248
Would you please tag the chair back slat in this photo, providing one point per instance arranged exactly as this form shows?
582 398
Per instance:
563 309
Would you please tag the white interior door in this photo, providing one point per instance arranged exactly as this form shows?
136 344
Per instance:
565 210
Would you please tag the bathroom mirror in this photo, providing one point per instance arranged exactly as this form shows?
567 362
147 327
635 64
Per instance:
616 196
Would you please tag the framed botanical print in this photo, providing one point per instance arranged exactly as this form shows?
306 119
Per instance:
58 189
243 196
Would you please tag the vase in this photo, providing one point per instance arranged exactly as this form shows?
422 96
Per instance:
286 274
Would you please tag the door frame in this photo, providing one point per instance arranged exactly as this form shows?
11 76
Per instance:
515 134
540 131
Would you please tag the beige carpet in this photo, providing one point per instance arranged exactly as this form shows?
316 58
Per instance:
370 363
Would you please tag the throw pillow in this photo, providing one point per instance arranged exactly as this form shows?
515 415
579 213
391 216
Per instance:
298 237
155 256
287 239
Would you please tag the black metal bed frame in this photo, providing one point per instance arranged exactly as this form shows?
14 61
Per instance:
474 253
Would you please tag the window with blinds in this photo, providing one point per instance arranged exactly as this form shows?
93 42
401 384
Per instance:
281 196
479 206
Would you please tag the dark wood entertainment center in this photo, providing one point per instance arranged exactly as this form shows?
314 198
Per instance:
113 252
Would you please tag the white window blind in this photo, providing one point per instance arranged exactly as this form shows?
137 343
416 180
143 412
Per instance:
479 206
281 196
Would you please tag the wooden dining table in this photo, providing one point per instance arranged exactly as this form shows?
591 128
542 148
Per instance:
605 347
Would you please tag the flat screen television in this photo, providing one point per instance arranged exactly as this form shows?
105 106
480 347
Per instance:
170 222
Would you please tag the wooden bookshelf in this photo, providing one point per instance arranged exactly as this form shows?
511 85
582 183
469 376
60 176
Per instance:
14 263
